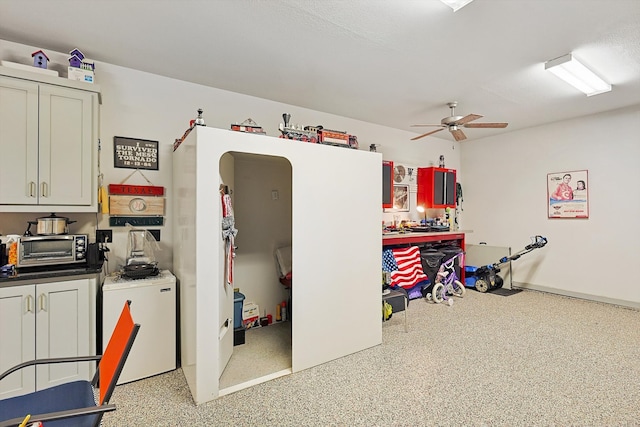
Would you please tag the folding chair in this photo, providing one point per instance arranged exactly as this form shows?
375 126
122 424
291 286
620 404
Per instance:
73 404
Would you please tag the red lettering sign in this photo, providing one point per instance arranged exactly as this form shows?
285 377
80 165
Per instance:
141 190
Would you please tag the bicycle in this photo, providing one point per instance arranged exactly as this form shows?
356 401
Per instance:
447 283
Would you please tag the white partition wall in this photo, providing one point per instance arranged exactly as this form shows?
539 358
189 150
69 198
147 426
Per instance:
336 240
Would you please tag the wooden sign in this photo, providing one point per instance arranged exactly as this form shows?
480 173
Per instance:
139 190
136 221
135 153
136 205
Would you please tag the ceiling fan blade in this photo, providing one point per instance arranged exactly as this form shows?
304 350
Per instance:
468 118
458 135
486 125
426 134
415 126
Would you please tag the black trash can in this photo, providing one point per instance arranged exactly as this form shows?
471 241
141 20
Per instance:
448 253
431 260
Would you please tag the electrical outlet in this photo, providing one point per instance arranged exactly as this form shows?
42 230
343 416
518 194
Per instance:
104 236
155 234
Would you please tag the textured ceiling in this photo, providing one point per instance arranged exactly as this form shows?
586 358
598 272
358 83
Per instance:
390 62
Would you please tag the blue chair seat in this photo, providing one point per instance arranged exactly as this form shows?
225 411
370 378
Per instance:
74 404
73 395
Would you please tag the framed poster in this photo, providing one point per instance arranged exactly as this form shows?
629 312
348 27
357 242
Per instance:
401 198
134 153
568 194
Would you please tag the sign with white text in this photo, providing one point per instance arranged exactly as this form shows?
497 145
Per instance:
134 153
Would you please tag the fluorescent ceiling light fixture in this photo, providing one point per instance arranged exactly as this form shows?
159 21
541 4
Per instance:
456 4
577 75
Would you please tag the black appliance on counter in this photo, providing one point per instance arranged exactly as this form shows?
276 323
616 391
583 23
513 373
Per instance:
37 251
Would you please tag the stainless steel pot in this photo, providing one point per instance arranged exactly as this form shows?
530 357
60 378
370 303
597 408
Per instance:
52 225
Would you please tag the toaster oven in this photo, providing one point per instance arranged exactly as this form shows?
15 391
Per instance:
35 251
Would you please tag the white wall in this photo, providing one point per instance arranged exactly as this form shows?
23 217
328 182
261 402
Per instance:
505 202
142 105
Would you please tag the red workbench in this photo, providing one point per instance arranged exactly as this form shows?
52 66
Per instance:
416 238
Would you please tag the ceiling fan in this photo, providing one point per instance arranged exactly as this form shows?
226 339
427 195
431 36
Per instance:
454 123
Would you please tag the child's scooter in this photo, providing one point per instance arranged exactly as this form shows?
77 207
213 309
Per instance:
486 277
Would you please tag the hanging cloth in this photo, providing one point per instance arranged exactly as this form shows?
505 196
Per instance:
228 234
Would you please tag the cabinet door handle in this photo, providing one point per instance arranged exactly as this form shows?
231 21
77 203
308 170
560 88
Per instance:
32 189
28 300
42 299
43 189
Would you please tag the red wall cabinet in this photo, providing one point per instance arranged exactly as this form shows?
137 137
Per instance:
436 187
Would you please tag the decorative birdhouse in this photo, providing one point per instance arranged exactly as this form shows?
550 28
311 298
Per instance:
75 61
40 59
77 53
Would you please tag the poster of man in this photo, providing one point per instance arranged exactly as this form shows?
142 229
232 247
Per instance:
567 194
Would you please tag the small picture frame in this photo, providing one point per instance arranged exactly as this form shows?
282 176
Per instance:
401 198
132 153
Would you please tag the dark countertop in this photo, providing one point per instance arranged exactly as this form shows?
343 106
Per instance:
32 274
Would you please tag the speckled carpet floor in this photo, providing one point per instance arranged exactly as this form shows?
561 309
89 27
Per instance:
265 351
530 359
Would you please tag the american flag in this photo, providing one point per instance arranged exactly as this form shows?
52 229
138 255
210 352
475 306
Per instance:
404 265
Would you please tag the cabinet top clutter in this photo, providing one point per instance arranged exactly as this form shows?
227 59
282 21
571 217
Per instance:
51 80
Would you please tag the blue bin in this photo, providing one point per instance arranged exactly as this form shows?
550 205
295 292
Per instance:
238 299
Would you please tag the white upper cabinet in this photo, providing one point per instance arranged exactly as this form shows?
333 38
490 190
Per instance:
49 146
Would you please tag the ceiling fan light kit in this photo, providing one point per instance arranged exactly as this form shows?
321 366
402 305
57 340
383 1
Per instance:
453 123
456 4
577 75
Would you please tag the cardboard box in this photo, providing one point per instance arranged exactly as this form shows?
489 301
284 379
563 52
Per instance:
80 74
250 315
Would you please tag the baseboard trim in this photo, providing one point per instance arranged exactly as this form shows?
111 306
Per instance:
580 295
253 382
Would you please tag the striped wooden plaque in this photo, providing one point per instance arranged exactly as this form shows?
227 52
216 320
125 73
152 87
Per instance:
136 205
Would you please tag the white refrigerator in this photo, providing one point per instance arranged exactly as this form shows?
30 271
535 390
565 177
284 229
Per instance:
153 306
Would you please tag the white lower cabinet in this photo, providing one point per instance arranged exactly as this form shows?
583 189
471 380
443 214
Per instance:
44 320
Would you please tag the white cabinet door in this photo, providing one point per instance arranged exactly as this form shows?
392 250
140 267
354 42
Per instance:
63 323
18 142
17 338
48 140
65 150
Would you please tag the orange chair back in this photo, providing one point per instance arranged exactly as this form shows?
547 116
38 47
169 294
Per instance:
116 353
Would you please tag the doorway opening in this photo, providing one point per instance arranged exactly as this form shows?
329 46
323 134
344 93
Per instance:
261 191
